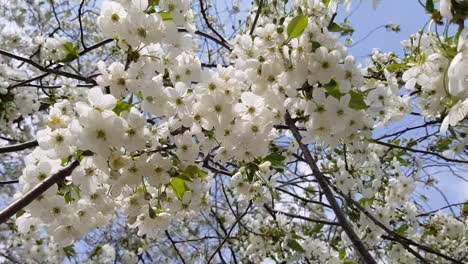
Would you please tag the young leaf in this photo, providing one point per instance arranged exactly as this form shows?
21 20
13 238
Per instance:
342 254
69 251
121 106
430 6
297 26
357 101
165 15
334 27
178 185
293 244
333 89
71 52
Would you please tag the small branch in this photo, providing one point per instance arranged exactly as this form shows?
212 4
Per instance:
205 35
229 232
175 247
205 17
47 70
257 15
9 182
95 46
308 219
418 151
80 13
19 147
392 235
442 208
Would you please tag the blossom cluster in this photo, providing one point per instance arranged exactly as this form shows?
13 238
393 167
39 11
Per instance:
157 128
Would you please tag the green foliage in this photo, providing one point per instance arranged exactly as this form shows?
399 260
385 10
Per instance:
342 253
294 245
96 251
402 229
357 100
165 16
178 185
297 26
343 29
121 106
357 97
69 251
277 160
71 52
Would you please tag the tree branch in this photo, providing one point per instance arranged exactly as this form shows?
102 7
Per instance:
175 247
257 15
418 151
205 17
34 193
343 221
19 147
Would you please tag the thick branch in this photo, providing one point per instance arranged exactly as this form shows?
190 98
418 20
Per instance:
39 189
343 221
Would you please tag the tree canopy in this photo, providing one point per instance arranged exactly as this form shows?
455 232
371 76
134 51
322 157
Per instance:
153 131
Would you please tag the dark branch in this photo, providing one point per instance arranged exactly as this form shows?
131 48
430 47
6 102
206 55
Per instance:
343 221
19 147
36 192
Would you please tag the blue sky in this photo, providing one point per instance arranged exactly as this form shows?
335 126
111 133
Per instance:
408 13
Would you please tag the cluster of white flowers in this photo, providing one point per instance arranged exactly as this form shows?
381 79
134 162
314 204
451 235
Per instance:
145 135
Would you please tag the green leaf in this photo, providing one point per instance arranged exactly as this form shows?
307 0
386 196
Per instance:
178 185
344 30
334 27
375 4
293 244
195 171
297 26
20 213
430 6
326 3
402 229
165 16
121 106
68 197
364 202
342 253
65 161
333 89
276 160
464 210
152 214
69 251
96 251
396 67
315 46
357 100
71 52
